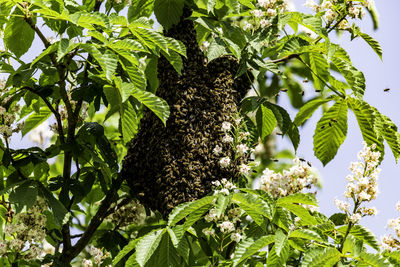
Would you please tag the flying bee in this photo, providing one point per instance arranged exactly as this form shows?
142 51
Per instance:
323 126
318 91
330 124
309 164
333 120
305 80
279 133
284 89
302 93
301 159
386 89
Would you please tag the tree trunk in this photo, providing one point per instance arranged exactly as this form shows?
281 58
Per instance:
166 166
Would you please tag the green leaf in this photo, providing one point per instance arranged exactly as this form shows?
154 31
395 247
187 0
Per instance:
127 44
156 104
58 209
221 204
129 122
140 8
301 212
280 241
126 250
371 260
52 48
366 121
308 109
266 121
185 209
175 60
374 44
176 45
353 76
24 195
108 61
251 248
330 132
18 35
64 47
268 65
308 199
386 128
281 115
114 99
211 5
306 234
35 120
149 38
233 5
361 233
147 245
168 12
216 49
320 69
257 208
321 257
87 20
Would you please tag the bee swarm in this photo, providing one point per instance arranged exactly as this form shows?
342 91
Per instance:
166 166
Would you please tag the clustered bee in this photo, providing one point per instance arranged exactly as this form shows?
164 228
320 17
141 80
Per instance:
166 166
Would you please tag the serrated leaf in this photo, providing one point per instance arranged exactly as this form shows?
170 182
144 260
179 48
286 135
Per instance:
211 5
280 241
221 204
330 132
251 248
108 61
35 120
175 60
52 48
147 245
127 44
322 258
24 195
308 199
266 122
306 234
18 35
254 206
366 121
374 44
176 45
140 8
362 233
320 70
114 99
58 209
371 260
183 210
149 38
386 128
64 47
301 212
87 20
268 65
215 50
126 250
233 5
308 109
129 122
168 12
156 104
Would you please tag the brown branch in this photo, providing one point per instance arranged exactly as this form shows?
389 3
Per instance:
285 58
101 214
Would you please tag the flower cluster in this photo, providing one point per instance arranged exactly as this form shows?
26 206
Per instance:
235 137
331 9
27 231
125 215
8 119
362 183
388 242
267 10
224 186
294 180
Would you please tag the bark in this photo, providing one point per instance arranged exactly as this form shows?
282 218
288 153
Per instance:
166 166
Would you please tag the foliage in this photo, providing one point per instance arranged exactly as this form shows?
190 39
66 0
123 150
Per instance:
93 80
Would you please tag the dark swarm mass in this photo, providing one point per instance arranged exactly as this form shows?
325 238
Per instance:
166 166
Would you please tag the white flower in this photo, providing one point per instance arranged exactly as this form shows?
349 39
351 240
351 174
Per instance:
236 237
247 26
216 183
227 139
265 23
3 248
259 149
363 196
227 227
208 232
224 191
226 126
224 162
211 216
257 13
355 218
311 4
217 150
271 12
263 3
330 15
206 44
342 205
242 149
244 169
398 206
87 263
326 5
41 134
